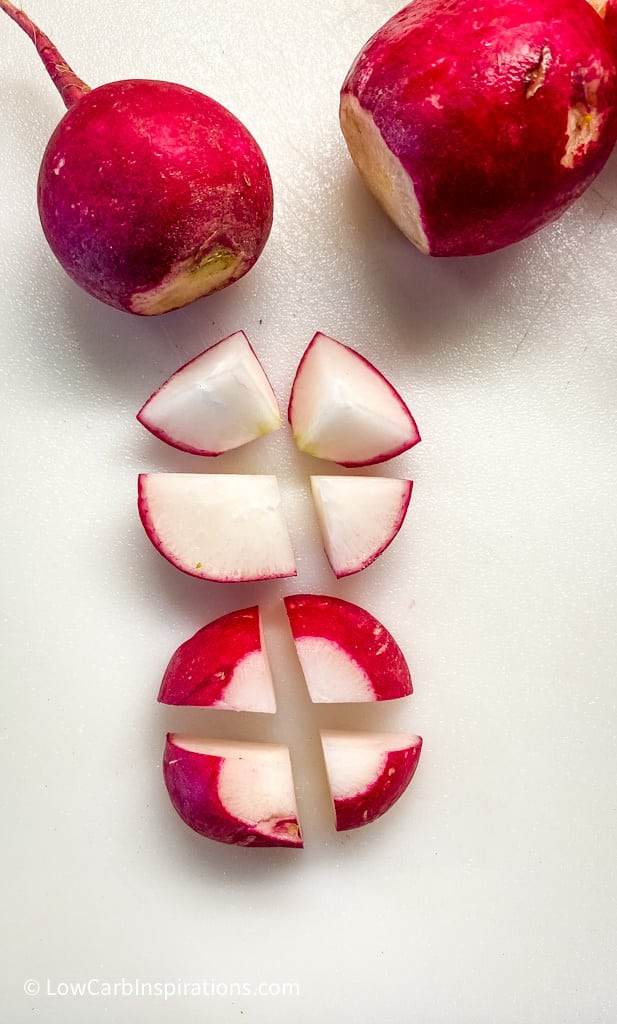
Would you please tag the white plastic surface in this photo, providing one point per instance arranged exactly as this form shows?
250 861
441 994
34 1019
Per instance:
489 892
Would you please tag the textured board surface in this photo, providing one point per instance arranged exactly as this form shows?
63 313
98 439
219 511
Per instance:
489 892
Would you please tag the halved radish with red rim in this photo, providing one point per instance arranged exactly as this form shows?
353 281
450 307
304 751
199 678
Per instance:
346 654
233 792
224 665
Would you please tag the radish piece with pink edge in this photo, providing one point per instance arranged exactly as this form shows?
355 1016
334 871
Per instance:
218 401
345 653
367 772
344 410
224 665
359 517
233 792
221 527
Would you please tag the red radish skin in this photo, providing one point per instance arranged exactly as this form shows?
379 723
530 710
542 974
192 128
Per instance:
150 194
204 668
607 9
358 635
476 123
193 781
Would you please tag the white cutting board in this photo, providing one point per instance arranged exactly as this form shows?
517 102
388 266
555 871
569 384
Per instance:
488 894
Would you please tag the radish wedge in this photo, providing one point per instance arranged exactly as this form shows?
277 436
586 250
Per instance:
367 773
220 400
346 654
233 792
359 516
344 410
226 528
224 665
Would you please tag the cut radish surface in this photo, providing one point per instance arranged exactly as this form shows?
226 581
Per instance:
359 516
218 401
224 665
217 527
233 792
367 773
344 410
345 653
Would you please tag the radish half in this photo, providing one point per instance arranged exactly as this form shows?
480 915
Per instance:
233 792
226 528
344 410
150 194
224 665
359 517
219 400
367 773
345 653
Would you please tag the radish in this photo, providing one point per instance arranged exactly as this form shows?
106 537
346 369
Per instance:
219 400
221 527
607 9
359 517
367 773
476 123
150 194
240 793
224 665
343 409
346 654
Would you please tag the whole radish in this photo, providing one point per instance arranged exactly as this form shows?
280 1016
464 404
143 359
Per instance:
150 194
476 122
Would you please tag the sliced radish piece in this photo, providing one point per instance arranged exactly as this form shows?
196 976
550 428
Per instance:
224 665
234 792
220 400
359 516
367 773
217 527
344 410
345 653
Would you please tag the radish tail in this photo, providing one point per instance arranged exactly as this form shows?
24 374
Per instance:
70 87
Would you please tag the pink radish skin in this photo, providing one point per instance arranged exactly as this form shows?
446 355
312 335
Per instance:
242 794
223 665
394 769
150 194
368 663
474 123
